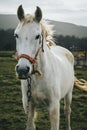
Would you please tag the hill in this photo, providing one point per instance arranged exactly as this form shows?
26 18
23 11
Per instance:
8 21
11 21
69 29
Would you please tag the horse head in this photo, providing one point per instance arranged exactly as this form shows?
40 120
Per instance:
28 41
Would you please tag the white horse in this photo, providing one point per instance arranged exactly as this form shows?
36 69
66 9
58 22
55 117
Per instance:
51 68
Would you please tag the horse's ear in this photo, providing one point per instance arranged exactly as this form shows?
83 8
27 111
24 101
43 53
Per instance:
38 14
20 13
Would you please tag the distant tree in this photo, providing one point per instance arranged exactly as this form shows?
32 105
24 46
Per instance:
72 42
83 44
7 40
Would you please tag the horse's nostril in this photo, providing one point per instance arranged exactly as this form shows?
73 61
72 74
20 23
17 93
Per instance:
17 68
28 69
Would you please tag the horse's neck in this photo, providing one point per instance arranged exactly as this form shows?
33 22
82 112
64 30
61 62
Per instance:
44 58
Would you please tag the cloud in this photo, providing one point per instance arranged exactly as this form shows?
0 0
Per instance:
74 11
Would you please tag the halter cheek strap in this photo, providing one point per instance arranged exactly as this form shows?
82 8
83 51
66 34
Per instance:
42 44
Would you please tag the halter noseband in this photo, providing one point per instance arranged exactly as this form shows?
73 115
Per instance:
32 60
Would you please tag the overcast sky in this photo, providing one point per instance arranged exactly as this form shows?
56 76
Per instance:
72 11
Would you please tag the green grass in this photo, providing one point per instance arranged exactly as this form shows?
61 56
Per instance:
12 115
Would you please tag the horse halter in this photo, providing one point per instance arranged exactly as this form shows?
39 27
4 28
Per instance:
31 59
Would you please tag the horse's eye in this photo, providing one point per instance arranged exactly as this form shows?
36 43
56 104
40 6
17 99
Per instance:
37 37
16 35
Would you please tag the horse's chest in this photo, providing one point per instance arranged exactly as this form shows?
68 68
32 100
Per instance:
37 94
40 90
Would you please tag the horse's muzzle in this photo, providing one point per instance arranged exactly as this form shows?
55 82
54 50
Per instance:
22 72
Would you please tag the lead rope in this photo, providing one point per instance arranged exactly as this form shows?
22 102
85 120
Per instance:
29 98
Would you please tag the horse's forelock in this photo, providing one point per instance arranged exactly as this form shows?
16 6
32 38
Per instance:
46 28
28 19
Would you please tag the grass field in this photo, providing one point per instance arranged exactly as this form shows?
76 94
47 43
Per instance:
12 115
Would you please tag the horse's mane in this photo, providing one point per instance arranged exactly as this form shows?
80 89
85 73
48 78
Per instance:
47 29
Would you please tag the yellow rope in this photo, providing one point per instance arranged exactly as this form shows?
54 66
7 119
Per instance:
80 84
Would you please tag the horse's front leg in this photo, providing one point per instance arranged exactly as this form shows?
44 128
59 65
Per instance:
54 111
67 109
30 111
30 121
